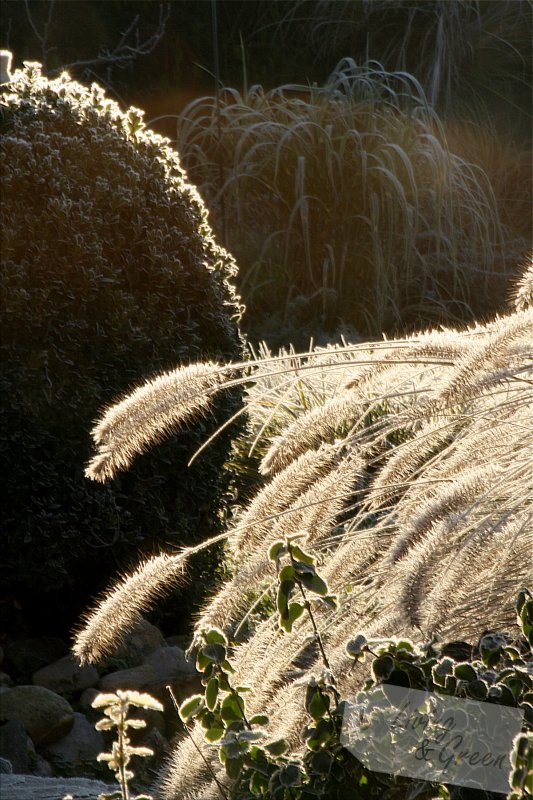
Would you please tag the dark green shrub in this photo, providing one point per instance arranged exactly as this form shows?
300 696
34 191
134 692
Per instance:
110 274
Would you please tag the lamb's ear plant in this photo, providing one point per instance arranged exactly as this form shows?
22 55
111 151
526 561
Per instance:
116 707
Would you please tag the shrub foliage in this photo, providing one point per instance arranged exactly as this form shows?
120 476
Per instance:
109 273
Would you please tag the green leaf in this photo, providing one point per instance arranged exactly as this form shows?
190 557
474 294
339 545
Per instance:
276 550
287 573
214 734
477 689
382 666
293 612
215 652
211 693
202 662
301 555
315 584
214 636
357 647
276 748
258 783
259 719
284 590
319 705
405 644
231 708
190 707
301 568
291 775
465 672
233 767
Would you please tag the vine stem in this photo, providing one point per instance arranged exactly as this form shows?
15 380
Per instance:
318 637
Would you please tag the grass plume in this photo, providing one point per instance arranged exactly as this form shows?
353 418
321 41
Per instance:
413 476
148 414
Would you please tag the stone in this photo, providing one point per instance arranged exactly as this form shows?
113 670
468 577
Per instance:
167 665
6 768
66 676
5 679
45 715
24 656
41 767
16 746
29 787
80 746
142 640
87 697
145 768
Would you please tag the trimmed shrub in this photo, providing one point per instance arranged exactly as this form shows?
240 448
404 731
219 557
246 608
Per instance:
110 274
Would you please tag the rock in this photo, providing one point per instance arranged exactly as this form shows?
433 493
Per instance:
87 697
66 676
41 767
82 744
17 747
142 640
5 679
25 656
29 787
145 768
46 716
167 665
6 768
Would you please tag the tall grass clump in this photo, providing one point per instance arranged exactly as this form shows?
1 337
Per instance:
343 204
110 274
399 470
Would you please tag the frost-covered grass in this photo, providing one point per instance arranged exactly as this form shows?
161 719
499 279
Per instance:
404 466
344 203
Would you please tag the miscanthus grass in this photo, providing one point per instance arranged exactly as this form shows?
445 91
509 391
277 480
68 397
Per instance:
405 466
344 198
